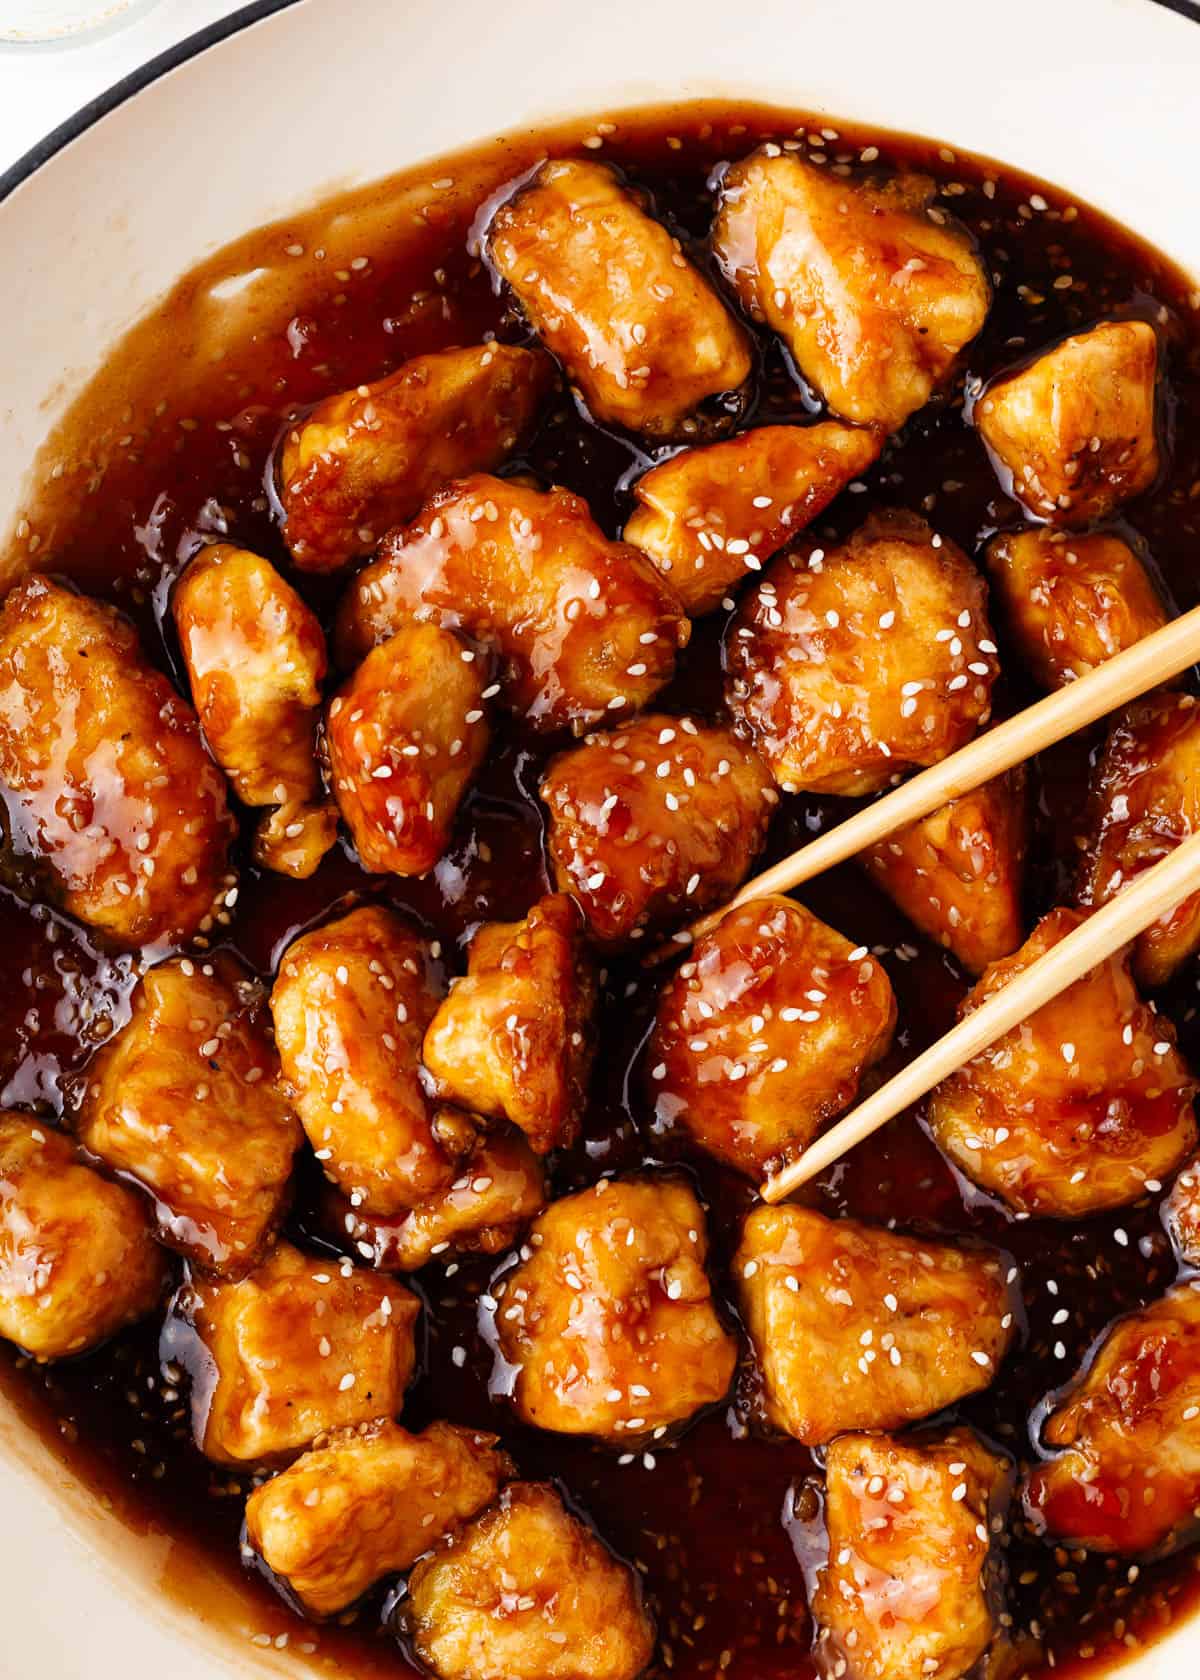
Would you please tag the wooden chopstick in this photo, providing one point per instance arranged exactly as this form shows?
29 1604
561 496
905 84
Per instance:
1140 668
1134 909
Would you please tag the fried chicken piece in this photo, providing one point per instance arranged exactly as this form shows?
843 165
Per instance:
958 873
108 781
367 1505
708 516
655 820
78 1260
405 737
1181 1214
1071 601
1145 800
610 1322
860 1328
499 1188
293 839
365 460
912 1585
765 1033
582 627
1083 1107
1073 432
515 1038
640 332
872 290
299 1347
351 1004
1126 1477
186 1100
853 666
528 1592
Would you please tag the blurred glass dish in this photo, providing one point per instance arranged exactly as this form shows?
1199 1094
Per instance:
28 22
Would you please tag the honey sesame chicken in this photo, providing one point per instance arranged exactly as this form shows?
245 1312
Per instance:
1085 1106
1071 601
860 1328
299 1347
528 1592
364 460
499 1188
708 516
607 288
765 1033
583 628
515 1038
913 1584
958 874
293 839
351 1004
653 821
871 288
1073 433
609 1324
185 1100
367 1505
405 736
78 1260
1181 1214
852 666
1124 1475
1145 799
108 783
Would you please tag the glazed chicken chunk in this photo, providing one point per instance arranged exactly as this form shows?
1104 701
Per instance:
351 1004
1181 1214
405 736
1071 601
853 666
1126 1473
706 517
298 1347
582 628
871 289
859 1328
610 1322
367 1505
1085 1106
1145 799
1073 433
514 1039
655 821
499 1188
958 873
255 657
364 460
108 782
765 1033
186 1100
528 1592
911 1590
78 1260
640 333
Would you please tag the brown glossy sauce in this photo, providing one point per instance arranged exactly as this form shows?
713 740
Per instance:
171 446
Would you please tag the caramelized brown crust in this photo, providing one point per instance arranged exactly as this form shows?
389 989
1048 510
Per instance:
764 1033
851 666
1145 800
406 735
608 290
583 628
1073 433
708 516
109 784
654 821
958 874
872 292
365 460
186 1100
1085 1106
